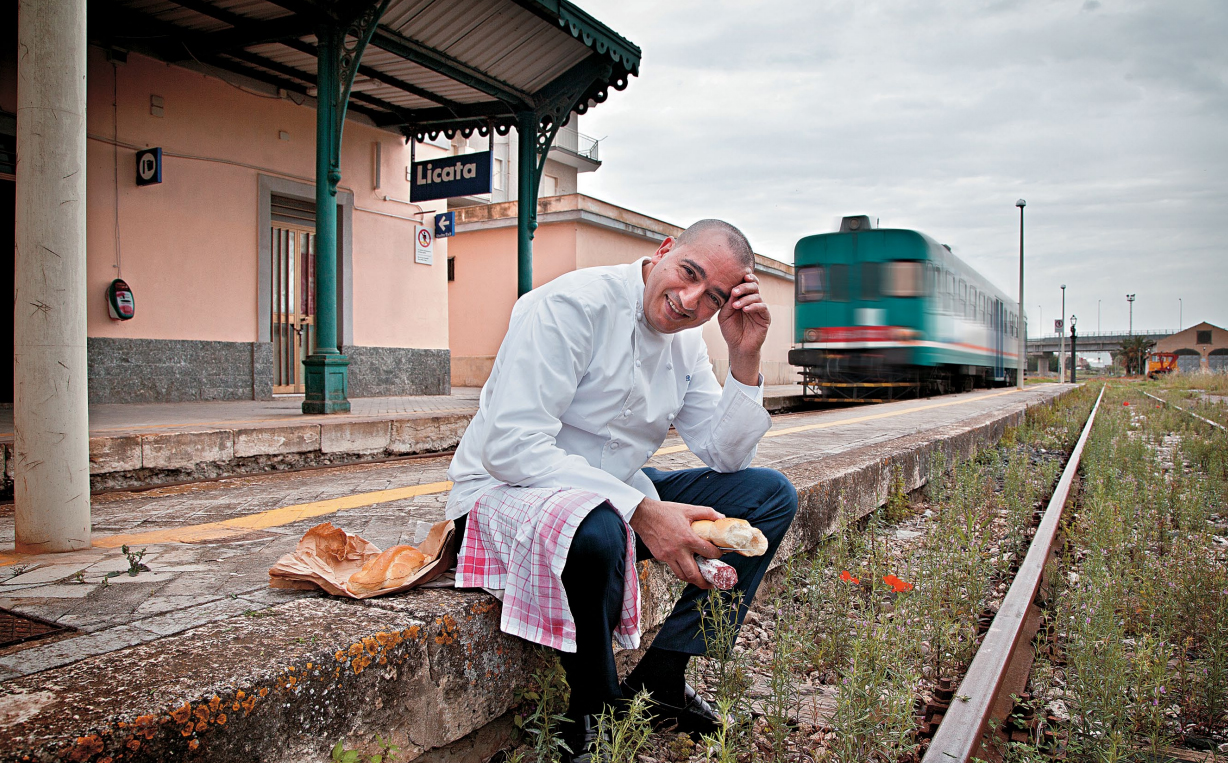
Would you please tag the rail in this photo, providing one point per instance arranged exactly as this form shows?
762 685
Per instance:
964 726
1187 412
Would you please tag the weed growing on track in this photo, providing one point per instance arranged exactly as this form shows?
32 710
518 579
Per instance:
1143 611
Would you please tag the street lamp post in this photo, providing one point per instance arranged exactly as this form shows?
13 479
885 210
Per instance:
1074 359
1180 315
1061 342
1130 300
1022 360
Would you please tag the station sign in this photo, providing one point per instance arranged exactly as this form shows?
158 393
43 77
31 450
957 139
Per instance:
457 176
1057 326
149 166
445 224
424 245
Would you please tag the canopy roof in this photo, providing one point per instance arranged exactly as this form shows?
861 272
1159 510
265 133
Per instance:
431 66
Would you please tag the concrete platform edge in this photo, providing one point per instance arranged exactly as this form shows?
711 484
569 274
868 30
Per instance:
426 669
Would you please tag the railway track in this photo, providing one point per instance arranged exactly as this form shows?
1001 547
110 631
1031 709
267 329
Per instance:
998 673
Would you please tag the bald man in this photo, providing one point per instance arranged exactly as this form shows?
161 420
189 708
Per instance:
550 483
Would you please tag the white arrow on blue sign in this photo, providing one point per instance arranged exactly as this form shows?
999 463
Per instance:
445 224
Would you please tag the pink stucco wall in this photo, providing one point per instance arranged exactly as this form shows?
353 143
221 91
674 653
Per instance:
189 246
480 300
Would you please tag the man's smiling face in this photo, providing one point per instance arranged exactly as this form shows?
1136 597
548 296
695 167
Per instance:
686 284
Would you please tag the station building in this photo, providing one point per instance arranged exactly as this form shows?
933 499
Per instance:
1201 348
220 254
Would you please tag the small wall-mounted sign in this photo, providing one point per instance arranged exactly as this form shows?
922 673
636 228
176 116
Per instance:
424 245
149 166
120 301
456 176
445 224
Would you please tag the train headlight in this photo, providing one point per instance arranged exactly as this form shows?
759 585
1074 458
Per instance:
811 335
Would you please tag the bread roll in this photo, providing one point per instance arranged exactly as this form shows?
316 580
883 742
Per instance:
391 569
732 533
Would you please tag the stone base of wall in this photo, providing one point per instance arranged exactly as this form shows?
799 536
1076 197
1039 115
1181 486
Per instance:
381 371
471 371
129 370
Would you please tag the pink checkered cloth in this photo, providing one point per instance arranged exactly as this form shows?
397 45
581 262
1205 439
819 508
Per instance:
516 540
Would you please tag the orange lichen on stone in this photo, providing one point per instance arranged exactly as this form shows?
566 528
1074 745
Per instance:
202 713
182 714
240 694
355 649
339 656
194 744
235 707
412 632
106 759
264 691
482 607
215 703
291 681
221 719
371 645
133 744
360 663
87 747
309 666
248 704
448 634
188 730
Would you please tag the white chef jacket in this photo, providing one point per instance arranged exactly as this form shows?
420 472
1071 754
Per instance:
583 392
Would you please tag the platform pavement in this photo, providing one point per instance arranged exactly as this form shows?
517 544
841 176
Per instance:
142 444
199 659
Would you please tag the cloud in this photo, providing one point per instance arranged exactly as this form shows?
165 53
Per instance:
782 117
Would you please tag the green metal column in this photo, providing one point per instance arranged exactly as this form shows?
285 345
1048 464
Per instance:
526 195
327 370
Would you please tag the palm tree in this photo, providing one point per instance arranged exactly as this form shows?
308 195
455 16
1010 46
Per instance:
1133 353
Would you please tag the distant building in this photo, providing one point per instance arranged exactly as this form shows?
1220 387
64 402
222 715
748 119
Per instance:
1201 347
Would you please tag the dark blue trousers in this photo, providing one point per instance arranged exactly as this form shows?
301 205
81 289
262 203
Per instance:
593 575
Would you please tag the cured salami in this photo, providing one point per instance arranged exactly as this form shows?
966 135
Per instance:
717 572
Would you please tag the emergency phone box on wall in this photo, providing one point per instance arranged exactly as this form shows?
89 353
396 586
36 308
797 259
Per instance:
120 301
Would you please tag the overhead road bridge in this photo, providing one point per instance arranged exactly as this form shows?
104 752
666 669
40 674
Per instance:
1091 342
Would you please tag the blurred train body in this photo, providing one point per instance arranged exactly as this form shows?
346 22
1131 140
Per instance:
887 313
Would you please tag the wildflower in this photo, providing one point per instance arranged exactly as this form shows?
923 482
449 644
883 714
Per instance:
849 578
897 585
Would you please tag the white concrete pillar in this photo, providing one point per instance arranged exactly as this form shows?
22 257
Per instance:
51 472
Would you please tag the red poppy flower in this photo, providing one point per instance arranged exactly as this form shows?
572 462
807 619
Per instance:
849 578
1125 404
897 584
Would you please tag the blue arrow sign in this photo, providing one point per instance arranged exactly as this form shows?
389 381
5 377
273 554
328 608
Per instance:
445 224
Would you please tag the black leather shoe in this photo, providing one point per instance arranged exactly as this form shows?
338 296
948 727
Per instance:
579 736
695 716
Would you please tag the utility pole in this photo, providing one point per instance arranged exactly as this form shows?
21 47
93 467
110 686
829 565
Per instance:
1061 341
1130 300
1023 341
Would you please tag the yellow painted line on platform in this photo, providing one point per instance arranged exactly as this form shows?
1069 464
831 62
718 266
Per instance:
290 514
277 517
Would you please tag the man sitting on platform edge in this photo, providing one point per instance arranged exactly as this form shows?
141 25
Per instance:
551 494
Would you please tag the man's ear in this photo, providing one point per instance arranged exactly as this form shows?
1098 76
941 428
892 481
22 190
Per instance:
663 250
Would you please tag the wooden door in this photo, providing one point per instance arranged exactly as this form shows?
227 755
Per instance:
294 298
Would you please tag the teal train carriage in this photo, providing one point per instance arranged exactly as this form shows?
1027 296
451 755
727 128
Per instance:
885 313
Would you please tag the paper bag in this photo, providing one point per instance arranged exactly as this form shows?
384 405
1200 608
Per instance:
328 556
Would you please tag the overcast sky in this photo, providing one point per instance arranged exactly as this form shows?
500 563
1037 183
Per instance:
1110 118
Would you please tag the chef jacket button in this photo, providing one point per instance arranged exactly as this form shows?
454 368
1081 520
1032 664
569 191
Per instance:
637 362
648 454
671 415
613 445
626 413
669 365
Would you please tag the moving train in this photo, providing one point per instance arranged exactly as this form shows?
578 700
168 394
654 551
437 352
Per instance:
886 313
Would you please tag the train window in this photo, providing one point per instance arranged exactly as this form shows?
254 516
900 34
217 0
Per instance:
839 284
948 298
903 279
810 284
869 281
962 297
